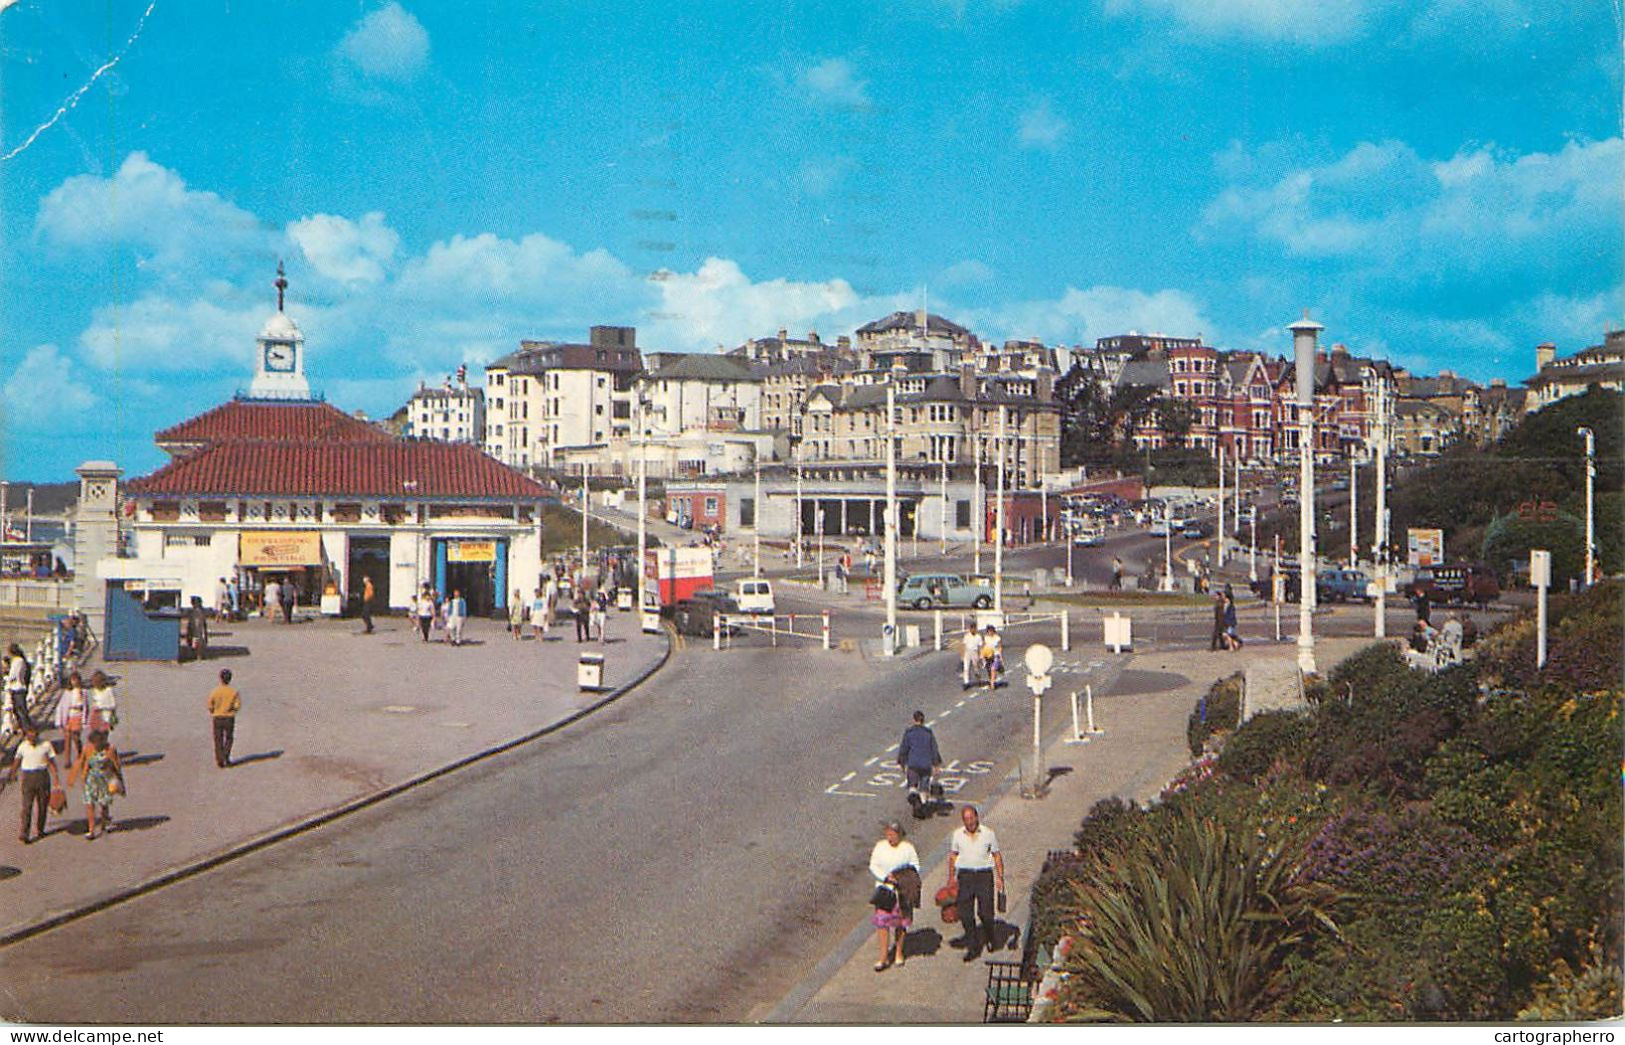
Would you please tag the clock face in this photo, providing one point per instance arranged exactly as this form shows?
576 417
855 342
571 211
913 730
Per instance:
279 358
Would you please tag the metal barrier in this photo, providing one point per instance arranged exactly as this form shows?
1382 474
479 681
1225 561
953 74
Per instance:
813 625
1003 622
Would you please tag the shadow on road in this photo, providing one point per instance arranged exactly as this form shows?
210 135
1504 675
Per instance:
263 756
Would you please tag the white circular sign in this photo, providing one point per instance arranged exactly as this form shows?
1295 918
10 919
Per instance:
1040 658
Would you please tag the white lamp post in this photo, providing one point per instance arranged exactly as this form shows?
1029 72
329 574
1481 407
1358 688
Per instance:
799 449
891 518
1379 523
998 528
1304 335
586 499
1219 529
756 514
1591 480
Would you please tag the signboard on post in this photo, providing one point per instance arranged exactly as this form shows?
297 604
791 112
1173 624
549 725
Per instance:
1424 547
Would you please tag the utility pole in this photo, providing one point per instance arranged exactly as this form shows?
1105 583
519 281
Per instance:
756 512
643 512
1252 525
891 518
998 528
1235 531
586 499
1354 512
28 523
1304 335
1379 524
978 500
799 537
1219 529
1591 482
943 536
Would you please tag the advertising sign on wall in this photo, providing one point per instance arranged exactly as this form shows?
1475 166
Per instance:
471 551
280 548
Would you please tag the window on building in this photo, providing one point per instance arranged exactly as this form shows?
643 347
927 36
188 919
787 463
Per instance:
711 506
962 513
747 511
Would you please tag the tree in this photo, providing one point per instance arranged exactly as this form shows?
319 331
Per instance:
1175 417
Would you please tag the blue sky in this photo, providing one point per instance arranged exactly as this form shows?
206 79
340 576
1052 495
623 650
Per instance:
1438 180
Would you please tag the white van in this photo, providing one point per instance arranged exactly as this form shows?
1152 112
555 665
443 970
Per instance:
754 595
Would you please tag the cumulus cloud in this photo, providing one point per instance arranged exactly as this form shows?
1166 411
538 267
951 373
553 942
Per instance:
819 177
1383 201
163 333
834 83
388 44
47 387
1098 311
149 208
1039 127
718 304
344 250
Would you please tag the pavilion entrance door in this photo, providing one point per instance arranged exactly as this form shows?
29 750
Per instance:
369 557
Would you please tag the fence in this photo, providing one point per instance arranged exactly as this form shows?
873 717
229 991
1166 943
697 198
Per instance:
813 626
1003 621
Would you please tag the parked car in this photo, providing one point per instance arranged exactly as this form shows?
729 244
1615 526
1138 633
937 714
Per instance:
925 591
754 595
1089 538
696 615
1195 531
1342 585
1158 529
1456 582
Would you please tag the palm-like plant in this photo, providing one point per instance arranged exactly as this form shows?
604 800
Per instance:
1191 923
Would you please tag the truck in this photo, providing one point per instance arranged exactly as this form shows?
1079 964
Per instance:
673 574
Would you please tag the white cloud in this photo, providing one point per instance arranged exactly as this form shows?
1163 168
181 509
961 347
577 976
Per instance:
344 250
388 43
46 388
965 273
211 332
1312 22
1381 202
149 208
719 304
833 82
1098 311
1039 127
819 177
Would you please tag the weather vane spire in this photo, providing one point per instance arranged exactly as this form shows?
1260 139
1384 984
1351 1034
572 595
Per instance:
281 283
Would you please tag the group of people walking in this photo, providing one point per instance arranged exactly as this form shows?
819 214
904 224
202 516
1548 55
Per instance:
590 609
981 657
1226 635
87 717
432 612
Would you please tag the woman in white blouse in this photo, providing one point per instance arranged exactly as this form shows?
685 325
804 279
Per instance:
893 862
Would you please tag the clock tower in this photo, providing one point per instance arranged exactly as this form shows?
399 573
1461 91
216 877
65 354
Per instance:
279 362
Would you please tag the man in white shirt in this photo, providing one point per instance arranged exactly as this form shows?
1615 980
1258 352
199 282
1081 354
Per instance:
973 854
36 760
970 656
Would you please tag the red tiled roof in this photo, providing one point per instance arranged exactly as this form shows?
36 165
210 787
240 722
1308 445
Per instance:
352 469
294 421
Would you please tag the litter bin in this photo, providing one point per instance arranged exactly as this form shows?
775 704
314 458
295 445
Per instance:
623 599
590 671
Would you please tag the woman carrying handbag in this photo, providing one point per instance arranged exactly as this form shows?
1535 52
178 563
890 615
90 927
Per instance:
99 768
896 870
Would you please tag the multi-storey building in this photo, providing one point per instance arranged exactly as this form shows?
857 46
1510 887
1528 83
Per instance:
549 397
1487 414
881 342
1556 378
449 413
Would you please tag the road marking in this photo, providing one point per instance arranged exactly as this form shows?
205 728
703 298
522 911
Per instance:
872 761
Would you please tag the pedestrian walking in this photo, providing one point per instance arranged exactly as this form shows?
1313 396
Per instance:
234 597
222 599
424 611
104 716
970 656
600 615
895 865
367 593
516 614
224 703
71 709
992 656
19 675
102 774
581 609
538 615
976 865
456 616
1232 627
919 757
1216 640
36 762
273 599
289 596
1117 575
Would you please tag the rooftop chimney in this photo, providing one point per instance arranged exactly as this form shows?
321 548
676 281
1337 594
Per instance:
843 342
784 334
812 335
1545 352
1305 336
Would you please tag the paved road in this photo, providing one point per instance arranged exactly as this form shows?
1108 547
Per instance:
685 855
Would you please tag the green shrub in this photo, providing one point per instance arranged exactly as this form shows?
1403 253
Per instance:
1109 823
1265 739
1218 711
1594 992
1191 924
